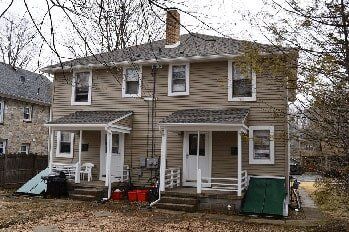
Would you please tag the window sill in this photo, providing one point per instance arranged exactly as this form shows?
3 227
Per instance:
131 96
27 120
239 99
171 94
64 155
80 103
265 162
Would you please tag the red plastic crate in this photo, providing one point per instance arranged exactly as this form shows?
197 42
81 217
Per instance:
116 196
142 195
132 196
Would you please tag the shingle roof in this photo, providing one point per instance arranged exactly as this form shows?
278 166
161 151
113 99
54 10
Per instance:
190 45
90 117
24 85
226 116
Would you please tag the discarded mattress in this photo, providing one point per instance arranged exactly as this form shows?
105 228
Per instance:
36 185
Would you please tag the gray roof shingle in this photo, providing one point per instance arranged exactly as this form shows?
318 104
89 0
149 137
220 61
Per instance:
190 45
90 117
24 85
226 116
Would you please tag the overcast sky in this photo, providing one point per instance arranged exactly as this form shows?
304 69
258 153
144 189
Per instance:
223 16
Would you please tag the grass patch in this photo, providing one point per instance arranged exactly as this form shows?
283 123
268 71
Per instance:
332 201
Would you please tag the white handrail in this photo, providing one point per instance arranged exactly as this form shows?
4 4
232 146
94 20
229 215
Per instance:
222 183
172 177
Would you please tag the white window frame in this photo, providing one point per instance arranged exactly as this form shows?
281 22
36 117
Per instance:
75 103
251 145
30 113
58 147
230 86
2 111
27 148
3 141
187 70
139 94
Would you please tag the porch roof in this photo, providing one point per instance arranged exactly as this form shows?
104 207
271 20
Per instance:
94 120
208 118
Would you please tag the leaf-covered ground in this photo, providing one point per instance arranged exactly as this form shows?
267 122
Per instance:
37 214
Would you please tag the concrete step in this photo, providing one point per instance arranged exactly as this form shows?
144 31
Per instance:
179 200
180 194
176 207
83 197
88 191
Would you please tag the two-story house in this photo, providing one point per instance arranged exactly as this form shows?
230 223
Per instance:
183 99
25 99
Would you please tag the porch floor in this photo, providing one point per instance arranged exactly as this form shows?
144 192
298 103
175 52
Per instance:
191 191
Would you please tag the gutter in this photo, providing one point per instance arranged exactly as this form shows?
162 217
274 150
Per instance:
102 64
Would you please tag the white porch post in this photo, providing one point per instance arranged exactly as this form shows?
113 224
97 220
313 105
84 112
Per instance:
239 162
77 174
51 149
163 159
108 160
198 170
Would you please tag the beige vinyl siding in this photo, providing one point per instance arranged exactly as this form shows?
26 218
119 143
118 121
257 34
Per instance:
208 89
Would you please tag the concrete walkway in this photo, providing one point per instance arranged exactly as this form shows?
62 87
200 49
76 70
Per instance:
311 211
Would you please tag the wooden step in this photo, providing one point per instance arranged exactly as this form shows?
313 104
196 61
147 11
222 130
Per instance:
179 200
88 191
176 207
180 194
83 197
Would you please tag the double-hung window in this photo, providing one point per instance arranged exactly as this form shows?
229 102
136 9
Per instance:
2 147
2 111
261 145
241 83
132 82
27 113
81 88
178 79
24 148
65 144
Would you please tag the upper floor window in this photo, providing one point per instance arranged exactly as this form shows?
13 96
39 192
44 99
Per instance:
27 113
2 147
65 144
81 88
2 111
178 79
261 144
24 148
132 82
241 84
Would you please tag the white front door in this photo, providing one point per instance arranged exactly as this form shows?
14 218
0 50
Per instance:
190 156
117 156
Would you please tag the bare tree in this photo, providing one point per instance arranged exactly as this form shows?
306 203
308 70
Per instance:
17 41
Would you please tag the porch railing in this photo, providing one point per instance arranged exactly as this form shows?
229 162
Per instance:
221 184
70 170
126 173
172 177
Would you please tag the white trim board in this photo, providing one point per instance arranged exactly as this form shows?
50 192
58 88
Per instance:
123 88
230 86
187 82
271 148
72 97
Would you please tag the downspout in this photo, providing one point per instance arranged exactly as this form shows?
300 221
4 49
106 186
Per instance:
156 201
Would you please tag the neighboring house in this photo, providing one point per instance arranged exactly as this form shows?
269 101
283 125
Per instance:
25 99
207 114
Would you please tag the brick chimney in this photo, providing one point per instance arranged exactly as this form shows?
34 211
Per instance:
172 28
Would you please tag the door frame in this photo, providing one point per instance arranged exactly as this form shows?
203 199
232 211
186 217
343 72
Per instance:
208 145
102 151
